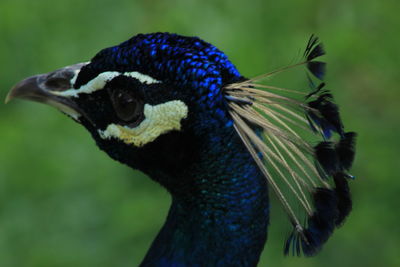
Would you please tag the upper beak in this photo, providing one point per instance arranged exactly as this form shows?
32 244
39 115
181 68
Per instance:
44 87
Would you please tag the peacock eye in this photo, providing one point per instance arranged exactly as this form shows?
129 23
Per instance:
127 105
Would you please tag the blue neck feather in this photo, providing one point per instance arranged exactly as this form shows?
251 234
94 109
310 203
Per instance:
219 213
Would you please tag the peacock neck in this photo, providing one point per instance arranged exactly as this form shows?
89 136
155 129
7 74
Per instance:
219 213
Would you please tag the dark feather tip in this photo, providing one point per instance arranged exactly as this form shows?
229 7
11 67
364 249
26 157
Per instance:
328 112
320 225
314 49
316 52
317 68
326 156
346 149
343 195
293 244
311 43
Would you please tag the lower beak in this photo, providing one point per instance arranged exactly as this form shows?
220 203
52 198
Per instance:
43 88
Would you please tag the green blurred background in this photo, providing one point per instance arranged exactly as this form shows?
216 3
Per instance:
65 203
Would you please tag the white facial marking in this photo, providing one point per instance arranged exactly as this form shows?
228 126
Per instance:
159 119
76 73
65 109
100 81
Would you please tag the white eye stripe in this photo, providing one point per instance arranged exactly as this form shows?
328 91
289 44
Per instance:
159 119
76 73
99 82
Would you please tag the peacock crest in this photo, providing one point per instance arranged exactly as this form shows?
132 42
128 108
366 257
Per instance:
279 127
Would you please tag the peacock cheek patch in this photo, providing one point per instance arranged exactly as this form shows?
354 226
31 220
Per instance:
159 119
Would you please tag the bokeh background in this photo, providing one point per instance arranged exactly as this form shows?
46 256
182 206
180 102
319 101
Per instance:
65 203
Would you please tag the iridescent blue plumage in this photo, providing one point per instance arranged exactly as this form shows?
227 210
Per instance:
219 213
188 62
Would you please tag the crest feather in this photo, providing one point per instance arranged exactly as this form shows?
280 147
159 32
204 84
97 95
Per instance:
280 128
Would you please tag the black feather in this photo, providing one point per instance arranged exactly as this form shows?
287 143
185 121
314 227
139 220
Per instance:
326 127
326 156
314 49
343 195
346 149
317 68
311 43
328 117
316 52
320 225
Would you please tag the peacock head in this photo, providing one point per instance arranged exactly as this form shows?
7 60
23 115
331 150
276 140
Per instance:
165 104
147 101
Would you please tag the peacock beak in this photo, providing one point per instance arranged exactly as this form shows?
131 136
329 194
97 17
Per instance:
43 88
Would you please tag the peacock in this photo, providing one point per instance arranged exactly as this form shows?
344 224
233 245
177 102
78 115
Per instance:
178 110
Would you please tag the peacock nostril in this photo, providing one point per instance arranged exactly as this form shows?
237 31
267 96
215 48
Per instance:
59 83
59 80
